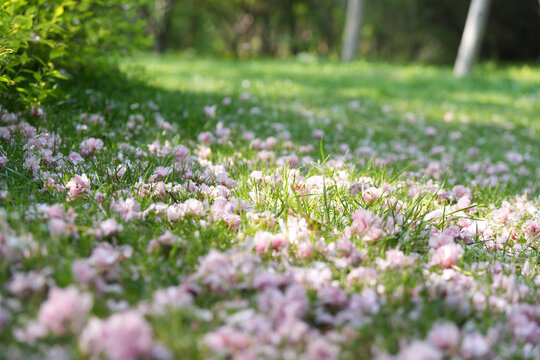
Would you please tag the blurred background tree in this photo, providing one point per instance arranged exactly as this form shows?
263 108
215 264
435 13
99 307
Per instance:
246 28
352 31
393 30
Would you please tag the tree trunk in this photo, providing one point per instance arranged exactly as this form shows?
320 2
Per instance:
351 33
193 27
327 23
290 23
471 40
162 22
266 34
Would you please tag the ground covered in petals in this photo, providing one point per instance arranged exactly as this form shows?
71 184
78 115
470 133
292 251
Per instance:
299 209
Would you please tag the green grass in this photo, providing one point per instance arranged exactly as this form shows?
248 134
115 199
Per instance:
382 110
496 109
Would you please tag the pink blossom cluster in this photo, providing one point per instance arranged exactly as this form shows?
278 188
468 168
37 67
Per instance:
124 335
64 311
101 270
77 187
366 225
90 146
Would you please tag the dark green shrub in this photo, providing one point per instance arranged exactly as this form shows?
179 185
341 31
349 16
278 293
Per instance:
42 41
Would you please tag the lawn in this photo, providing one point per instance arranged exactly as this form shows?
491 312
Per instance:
297 209
375 105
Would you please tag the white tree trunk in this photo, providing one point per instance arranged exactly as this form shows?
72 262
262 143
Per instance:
471 40
353 26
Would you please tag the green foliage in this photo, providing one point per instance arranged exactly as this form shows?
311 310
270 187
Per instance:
43 40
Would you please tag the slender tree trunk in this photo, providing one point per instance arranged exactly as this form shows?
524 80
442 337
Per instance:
163 22
266 35
165 32
290 18
351 33
326 22
193 28
471 39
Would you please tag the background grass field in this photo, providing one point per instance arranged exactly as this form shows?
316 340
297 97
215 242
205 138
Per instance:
496 110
